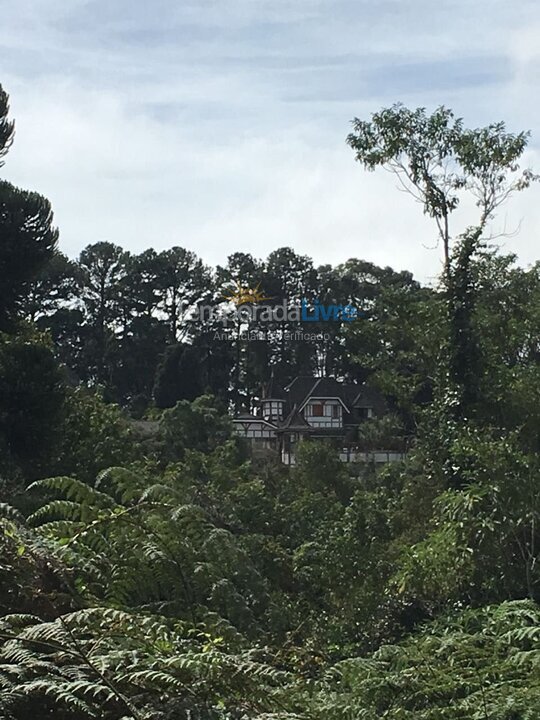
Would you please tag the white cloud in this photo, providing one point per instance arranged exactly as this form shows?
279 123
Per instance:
182 123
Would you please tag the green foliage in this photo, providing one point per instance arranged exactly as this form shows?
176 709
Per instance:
27 237
32 393
7 127
141 545
476 665
111 664
94 436
58 283
180 376
162 574
318 468
201 425
465 357
401 346
480 538
28 241
436 158
31 579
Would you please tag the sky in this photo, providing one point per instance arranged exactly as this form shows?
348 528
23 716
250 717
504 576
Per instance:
220 126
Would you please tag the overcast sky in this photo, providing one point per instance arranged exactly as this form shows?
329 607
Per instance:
220 125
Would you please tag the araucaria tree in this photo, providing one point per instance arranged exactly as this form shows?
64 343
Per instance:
27 237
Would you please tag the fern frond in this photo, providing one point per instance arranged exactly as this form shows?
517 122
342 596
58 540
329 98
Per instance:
73 489
124 485
7 512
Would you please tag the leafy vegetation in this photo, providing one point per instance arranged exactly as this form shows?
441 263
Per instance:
150 568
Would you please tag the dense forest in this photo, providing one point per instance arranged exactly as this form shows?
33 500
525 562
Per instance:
168 575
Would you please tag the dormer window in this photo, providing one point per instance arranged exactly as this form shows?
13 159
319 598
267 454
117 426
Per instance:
317 410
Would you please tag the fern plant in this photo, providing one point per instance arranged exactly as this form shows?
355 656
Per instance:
141 546
105 663
478 665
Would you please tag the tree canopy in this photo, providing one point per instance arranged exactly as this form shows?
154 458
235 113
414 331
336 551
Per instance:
438 160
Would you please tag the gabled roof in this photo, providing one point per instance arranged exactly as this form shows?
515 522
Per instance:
294 421
273 390
296 394
304 387
245 415
351 392
329 388
369 397
299 388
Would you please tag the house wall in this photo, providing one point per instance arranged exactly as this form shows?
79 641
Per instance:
254 431
375 456
288 457
327 419
272 409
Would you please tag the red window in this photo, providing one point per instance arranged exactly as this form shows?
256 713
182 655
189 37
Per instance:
317 410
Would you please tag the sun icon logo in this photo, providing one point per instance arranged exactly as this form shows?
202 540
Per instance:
244 295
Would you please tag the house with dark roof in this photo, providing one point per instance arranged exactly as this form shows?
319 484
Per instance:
316 409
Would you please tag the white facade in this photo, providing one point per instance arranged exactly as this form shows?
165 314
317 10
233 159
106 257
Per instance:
272 409
255 429
375 456
321 413
279 424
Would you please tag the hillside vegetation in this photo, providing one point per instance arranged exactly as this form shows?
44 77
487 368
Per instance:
166 575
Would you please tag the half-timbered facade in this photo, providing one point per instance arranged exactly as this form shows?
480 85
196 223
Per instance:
315 408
